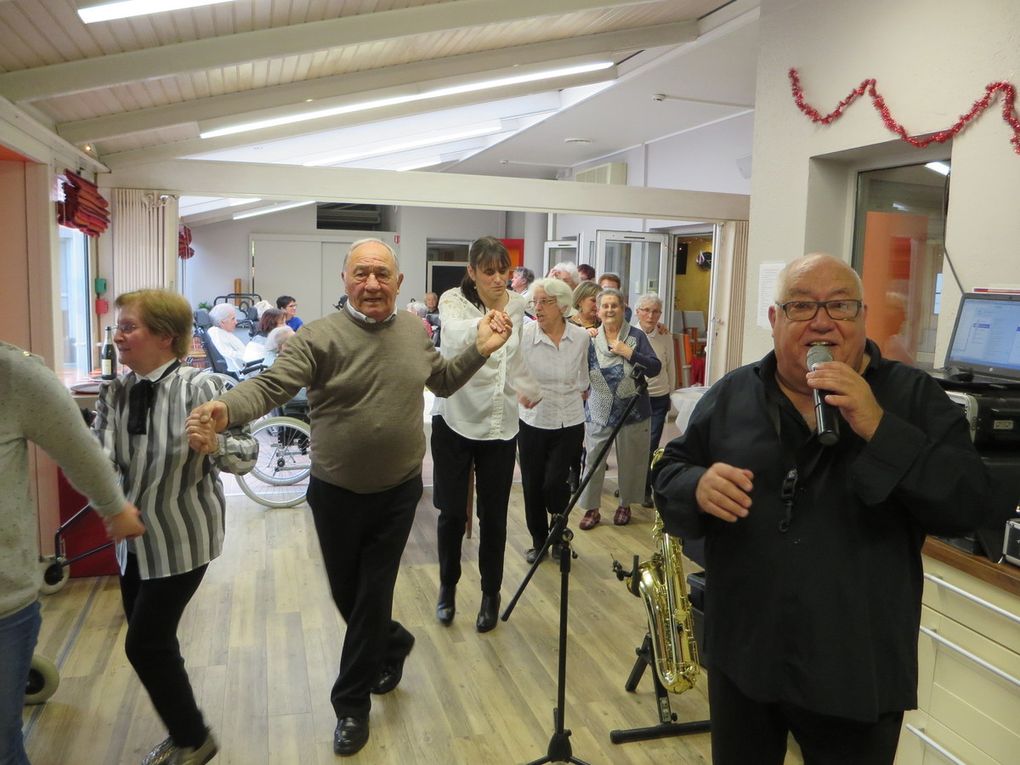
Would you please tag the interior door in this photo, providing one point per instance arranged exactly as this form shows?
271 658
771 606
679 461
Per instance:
643 261
560 251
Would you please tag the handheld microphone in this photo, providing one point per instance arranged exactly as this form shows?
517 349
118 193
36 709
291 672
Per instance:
826 416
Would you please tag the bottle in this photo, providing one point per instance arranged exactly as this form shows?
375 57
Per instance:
108 356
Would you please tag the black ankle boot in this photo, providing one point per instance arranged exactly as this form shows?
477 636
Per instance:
447 605
488 613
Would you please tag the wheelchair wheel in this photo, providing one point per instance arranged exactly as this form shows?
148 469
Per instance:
43 680
55 575
280 475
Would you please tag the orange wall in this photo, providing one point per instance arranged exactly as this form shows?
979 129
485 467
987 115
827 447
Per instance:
14 284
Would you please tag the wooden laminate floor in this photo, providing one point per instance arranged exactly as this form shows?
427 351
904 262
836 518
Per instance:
261 639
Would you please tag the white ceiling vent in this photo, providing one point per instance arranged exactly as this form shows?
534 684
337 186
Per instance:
611 172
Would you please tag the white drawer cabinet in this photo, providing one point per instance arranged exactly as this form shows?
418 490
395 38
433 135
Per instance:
968 673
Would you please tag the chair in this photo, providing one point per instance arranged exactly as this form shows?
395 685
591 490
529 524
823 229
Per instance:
218 364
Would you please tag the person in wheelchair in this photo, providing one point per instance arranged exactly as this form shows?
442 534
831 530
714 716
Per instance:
38 408
221 333
256 348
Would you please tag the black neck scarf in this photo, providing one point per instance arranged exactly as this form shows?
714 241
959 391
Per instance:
140 400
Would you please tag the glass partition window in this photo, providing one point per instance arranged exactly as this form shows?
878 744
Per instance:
899 232
75 304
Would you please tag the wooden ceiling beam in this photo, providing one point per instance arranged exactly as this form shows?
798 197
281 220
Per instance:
229 50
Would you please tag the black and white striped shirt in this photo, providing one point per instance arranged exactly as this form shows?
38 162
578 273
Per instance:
177 490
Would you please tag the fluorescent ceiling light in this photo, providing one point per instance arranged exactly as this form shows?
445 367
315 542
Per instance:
416 143
379 103
267 210
939 167
122 9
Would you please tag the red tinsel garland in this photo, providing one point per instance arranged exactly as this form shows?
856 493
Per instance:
941 136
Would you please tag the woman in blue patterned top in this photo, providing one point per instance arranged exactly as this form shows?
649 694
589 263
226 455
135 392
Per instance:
615 350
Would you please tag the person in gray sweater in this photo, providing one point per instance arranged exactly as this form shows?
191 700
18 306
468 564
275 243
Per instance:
365 369
38 408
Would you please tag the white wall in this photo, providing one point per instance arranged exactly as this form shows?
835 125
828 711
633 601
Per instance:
932 62
698 160
221 252
221 249
417 224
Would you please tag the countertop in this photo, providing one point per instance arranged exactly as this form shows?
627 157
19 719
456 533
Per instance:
1005 576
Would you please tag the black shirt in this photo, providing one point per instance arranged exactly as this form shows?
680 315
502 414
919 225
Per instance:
823 615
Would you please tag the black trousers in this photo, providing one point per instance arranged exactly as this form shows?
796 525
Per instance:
362 537
546 457
660 410
452 457
744 731
154 608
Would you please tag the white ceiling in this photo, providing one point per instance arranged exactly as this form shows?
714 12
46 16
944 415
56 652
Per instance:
144 89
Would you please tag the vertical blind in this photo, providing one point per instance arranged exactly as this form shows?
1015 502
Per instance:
144 234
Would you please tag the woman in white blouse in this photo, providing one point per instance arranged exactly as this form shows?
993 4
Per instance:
552 433
477 427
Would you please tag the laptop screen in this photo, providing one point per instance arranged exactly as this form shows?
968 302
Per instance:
986 336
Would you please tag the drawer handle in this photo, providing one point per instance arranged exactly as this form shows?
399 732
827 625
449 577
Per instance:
972 597
976 659
933 744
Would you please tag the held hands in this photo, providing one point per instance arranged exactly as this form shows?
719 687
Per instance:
724 491
526 402
127 524
850 393
494 329
202 425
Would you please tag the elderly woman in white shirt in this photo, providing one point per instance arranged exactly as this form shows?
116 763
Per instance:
224 319
477 427
551 433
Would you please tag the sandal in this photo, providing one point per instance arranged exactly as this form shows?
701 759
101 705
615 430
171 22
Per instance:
591 520
622 516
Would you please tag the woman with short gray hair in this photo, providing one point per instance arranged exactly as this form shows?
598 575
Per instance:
649 311
552 432
224 318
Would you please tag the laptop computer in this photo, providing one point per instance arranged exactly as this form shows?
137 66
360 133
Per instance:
984 349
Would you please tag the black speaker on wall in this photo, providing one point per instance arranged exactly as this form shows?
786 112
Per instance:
681 258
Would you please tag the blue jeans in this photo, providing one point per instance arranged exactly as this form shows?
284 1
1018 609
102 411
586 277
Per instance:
18 634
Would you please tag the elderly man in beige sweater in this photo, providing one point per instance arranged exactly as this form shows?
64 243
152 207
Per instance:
365 368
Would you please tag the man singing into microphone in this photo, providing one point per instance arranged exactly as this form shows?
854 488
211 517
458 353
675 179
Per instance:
813 551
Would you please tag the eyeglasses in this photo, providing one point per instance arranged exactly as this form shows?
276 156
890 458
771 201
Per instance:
546 301
651 311
806 310
126 329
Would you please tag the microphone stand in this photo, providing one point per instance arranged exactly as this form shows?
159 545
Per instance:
559 744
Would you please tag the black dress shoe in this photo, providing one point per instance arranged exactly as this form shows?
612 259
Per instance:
389 677
532 555
350 736
447 605
488 613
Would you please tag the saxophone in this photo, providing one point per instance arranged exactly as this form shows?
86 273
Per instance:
661 583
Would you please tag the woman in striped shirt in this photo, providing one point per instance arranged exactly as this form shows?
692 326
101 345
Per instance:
141 425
